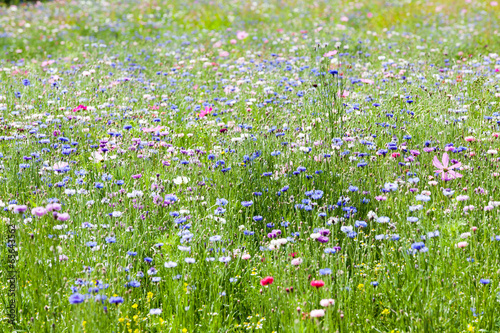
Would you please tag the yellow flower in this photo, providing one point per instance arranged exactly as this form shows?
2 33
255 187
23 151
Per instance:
184 330
470 328
150 295
386 312
361 286
134 306
161 321
121 320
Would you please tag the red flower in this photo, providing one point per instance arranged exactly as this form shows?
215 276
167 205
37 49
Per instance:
222 130
267 280
293 254
317 283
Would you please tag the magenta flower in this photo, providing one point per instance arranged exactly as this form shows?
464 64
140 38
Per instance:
80 107
446 171
205 112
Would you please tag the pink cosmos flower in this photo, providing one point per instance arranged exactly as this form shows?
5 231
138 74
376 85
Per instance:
205 112
241 35
444 169
330 53
153 129
80 107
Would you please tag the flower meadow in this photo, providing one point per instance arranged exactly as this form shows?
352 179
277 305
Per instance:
234 166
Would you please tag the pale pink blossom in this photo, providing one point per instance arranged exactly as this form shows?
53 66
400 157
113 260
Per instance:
444 169
241 35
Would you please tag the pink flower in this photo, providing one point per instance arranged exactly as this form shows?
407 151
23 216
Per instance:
63 217
39 211
246 256
296 261
53 206
317 313
241 35
327 302
63 257
20 208
446 171
205 112
80 107
470 138
330 54
137 176
153 129
462 245
395 155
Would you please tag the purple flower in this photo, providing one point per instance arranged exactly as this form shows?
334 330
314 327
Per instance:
116 300
76 298
322 239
